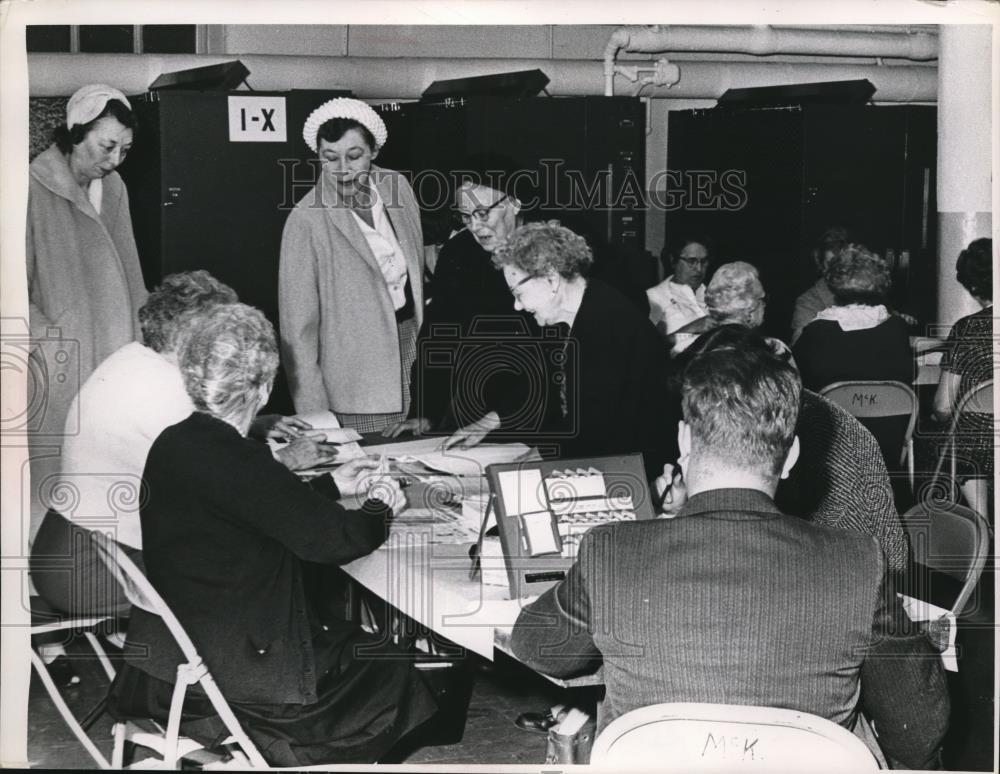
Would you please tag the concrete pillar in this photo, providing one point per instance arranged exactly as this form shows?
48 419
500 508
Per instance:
963 155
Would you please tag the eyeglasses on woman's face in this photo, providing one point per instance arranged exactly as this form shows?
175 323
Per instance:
514 289
481 214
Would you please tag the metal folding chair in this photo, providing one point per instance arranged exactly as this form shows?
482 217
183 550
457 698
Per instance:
45 623
951 539
168 742
979 400
683 737
876 400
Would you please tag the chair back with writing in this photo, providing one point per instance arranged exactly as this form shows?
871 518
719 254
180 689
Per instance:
951 539
880 400
141 593
869 400
682 737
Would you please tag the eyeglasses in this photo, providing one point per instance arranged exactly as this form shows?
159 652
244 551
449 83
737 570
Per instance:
481 214
692 261
513 288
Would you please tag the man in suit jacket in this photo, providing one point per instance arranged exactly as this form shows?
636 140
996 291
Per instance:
733 602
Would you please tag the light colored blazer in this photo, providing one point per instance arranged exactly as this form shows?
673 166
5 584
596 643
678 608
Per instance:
339 340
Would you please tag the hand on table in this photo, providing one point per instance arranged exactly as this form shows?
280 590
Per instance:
278 427
473 434
417 426
365 477
306 452
671 491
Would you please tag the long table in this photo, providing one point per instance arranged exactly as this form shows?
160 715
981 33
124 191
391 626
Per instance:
432 583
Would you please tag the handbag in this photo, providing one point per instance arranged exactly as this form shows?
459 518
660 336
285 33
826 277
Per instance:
570 741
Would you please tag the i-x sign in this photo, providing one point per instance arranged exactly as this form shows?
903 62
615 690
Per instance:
257 119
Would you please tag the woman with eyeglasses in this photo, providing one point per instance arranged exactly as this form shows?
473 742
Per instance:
680 299
470 307
350 282
606 370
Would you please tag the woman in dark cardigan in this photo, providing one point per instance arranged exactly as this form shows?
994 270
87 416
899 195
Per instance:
858 339
226 530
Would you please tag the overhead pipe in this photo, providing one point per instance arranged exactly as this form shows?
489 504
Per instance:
762 41
386 79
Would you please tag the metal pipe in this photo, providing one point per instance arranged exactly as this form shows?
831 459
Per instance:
405 78
763 40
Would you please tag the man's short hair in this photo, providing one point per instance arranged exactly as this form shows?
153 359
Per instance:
742 405
166 310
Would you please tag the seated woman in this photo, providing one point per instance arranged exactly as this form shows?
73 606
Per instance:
858 339
226 530
967 363
680 299
734 296
606 367
122 407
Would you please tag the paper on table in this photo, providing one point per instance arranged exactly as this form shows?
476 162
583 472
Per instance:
919 610
457 462
320 420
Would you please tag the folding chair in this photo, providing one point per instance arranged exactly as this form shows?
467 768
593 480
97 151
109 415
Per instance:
877 400
951 539
978 400
46 622
681 737
168 742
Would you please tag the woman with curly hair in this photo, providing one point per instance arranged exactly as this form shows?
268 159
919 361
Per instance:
228 536
856 339
605 367
967 363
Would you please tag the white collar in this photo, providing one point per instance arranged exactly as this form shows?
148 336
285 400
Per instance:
855 317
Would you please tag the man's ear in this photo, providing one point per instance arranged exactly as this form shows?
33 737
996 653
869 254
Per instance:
684 438
375 153
792 458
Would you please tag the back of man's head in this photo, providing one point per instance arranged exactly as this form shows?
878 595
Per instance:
169 307
741 405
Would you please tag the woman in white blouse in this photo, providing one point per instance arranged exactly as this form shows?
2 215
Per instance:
350 279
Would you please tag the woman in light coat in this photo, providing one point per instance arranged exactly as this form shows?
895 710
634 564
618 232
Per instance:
351 276
85 286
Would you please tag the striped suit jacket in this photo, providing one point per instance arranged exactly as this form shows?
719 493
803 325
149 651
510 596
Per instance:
733 602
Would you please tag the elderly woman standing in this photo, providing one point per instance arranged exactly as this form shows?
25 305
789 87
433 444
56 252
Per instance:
467 289
226 530
350 290
608 368
85 286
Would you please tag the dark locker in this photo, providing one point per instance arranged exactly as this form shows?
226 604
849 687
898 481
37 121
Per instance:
802 169
589 153
202 201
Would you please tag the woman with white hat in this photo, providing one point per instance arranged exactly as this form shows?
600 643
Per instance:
350 288
85 286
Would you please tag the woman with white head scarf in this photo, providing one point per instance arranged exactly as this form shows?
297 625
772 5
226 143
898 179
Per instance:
350 289
85 286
